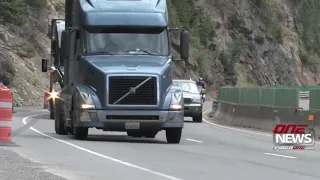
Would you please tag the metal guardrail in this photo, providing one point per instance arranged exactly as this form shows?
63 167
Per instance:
301 97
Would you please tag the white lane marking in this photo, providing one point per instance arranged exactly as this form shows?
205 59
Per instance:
5 123
279 155
188 139
100 155
6 105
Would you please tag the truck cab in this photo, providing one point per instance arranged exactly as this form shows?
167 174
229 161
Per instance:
117 65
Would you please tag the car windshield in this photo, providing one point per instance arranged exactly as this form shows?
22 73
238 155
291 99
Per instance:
128 43
187 86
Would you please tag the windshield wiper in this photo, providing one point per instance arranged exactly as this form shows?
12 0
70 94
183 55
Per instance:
140 50
186 91
99 53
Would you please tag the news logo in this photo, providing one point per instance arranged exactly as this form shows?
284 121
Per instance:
293 137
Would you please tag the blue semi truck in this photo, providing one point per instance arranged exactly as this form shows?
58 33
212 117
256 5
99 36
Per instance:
115 70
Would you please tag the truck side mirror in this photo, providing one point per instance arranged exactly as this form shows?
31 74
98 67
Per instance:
44 65
184 45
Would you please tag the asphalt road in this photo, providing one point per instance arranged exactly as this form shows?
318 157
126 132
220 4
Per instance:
207 151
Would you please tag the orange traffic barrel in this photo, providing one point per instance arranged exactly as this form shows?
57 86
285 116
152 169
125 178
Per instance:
46 100
5 115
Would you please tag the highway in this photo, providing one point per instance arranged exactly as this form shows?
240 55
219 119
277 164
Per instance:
206 152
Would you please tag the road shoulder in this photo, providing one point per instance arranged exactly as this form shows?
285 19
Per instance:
16 167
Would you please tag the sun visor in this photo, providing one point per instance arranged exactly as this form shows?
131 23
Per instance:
121 19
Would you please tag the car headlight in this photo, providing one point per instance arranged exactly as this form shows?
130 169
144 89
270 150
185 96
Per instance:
176 101
196 99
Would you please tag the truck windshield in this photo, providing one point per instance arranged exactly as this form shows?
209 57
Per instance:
128 43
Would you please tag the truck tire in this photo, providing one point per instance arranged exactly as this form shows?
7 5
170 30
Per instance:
80 133
52 113
173 135
58 120
197 118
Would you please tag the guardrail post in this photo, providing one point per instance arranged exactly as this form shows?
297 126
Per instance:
276 119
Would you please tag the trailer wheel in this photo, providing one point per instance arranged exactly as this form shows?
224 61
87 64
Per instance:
58 120
52 113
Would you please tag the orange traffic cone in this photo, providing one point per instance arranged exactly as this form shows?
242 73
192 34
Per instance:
5 115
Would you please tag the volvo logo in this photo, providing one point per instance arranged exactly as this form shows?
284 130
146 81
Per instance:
132 90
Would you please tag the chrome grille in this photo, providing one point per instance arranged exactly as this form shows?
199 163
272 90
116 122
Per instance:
119 86
187 100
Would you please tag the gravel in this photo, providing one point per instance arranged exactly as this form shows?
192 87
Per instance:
15 167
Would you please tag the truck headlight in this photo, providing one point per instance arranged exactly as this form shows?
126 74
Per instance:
87 106
88 101
176 101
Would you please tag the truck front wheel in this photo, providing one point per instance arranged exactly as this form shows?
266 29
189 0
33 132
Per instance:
80 133
173 135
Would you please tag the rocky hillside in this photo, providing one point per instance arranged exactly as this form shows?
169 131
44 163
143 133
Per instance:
252 42
234 42
23 42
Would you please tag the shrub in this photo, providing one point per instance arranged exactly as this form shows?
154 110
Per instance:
186 15
309 18
269 15
13 11
37 3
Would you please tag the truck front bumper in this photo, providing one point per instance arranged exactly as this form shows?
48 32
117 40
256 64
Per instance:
118 120
192 109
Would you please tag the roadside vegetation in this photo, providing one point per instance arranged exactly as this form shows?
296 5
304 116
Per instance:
16 11
185 14
310 34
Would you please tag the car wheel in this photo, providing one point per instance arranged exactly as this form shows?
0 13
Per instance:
197 118
173 135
